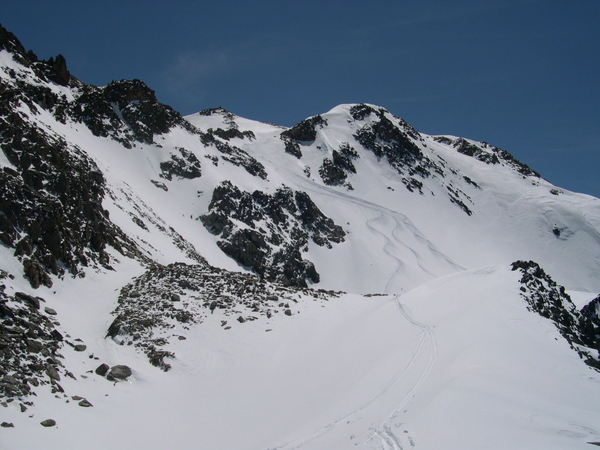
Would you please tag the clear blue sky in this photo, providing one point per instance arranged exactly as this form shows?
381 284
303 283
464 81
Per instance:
523 75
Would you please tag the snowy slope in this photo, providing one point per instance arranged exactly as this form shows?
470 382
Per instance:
434 342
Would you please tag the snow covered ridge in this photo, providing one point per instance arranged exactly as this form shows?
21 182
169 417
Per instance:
160 271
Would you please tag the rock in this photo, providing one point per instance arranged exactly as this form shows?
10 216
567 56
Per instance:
23 407
50 311
36 274
32 301
80 347
7 425
34 346
85 403
119 372
10 379
53 373
241 319
175 298
102 369
56 335
288 312
48 423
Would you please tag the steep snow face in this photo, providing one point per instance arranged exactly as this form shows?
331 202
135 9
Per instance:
132 235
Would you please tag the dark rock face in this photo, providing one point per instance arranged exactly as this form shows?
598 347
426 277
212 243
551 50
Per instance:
392 139
272 250
184 165
395 143
334 171
305 131
125 110
51 203
51 198
148 318
232 131
551 301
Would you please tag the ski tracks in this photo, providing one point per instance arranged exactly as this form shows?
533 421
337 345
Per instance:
421 361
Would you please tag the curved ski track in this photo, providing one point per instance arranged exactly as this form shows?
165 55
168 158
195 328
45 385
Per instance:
383 431
401 221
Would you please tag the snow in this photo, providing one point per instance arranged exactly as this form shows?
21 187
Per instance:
457 361
448 356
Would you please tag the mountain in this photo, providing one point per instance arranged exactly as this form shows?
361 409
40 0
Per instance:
211 281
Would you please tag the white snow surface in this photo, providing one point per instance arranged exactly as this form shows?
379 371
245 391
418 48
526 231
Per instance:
446 357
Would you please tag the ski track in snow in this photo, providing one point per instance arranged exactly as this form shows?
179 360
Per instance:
388 438
427 342
401 221
427 339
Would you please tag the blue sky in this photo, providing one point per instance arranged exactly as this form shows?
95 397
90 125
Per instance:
523 75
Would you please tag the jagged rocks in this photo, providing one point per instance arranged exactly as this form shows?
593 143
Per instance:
487 154
51 203
304 131
551 301
125 110
28 299
184 165
29 345
334 171
273 250
232 131
148 319
234 155
393 139
590 323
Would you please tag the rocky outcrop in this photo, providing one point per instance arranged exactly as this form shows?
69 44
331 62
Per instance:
395 142
304 131
488 154
551 301
335 170
182 165
158 307
51 202
267 233
125 110
29 346
234 155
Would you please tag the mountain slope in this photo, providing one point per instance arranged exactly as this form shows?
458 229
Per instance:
343 282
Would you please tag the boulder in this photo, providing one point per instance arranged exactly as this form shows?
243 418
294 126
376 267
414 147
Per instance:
102 369
119 372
